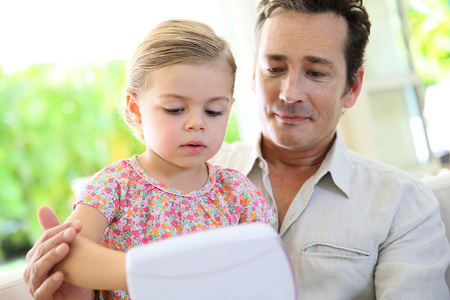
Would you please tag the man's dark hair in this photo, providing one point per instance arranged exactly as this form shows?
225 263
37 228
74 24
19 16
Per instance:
352 11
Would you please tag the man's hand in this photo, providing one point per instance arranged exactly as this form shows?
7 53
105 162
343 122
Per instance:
50 249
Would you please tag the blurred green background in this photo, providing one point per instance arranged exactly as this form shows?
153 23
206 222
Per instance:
58 123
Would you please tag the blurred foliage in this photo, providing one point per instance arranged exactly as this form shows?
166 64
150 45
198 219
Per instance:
58 123
429 22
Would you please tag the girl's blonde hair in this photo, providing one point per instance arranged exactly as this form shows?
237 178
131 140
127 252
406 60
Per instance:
175 42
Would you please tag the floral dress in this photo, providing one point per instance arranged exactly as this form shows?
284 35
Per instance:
141 210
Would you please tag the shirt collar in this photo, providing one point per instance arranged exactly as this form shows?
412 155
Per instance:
255 156
336 163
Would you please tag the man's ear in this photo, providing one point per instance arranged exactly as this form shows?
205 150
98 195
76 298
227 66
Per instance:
133 107
353 94
253 77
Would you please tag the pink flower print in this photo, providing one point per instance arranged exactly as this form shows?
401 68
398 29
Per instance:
175 223
108 190
190 217
126 228
117 231
136 234
185 202
142 223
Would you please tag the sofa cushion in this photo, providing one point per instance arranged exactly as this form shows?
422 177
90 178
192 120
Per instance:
440 185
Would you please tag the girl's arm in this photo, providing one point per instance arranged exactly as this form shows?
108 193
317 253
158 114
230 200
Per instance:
88 264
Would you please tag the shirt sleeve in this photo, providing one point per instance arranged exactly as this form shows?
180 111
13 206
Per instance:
103 193
413 259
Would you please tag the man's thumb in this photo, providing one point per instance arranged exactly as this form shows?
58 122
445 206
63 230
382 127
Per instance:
47 218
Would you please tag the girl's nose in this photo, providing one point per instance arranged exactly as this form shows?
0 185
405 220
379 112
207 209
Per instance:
195 122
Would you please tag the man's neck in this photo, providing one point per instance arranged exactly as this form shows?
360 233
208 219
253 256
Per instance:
289 170
292 158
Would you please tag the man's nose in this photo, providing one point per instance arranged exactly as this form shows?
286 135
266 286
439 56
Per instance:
293 88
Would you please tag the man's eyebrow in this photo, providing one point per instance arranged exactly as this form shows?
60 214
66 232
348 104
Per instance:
309 58
319 60
276 57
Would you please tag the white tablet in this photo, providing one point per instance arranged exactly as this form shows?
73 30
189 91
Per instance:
245 261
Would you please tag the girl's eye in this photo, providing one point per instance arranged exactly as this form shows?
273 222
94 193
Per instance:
173 111
274 70
213 113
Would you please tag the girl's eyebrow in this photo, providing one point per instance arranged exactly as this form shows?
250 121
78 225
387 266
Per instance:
218 98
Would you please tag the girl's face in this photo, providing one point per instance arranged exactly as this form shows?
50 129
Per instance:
184 113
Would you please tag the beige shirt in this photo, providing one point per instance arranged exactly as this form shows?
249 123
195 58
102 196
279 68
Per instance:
357 229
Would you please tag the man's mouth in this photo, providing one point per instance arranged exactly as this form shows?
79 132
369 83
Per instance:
291 118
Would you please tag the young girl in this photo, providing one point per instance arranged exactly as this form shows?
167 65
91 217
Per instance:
178 100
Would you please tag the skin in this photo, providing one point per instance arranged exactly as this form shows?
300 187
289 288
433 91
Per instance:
299 106
194 110
193 102
50 249
300 82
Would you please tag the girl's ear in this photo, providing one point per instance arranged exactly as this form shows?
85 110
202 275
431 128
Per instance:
133 108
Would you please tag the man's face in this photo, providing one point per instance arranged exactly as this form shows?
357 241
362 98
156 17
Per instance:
300 78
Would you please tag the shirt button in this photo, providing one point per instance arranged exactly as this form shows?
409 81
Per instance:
261 164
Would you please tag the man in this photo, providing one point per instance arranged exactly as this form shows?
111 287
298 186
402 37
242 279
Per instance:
354 229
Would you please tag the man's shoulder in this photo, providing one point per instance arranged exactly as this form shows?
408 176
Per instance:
372 170
237 155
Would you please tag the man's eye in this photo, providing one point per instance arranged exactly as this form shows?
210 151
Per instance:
173 111
213 112
316 74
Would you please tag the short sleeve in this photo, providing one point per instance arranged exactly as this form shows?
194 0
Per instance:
103 191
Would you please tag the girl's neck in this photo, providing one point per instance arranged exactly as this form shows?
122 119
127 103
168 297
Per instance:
171 175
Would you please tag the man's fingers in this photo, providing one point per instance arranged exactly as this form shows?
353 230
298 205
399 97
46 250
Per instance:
47 217
64 233
49 287
37 272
